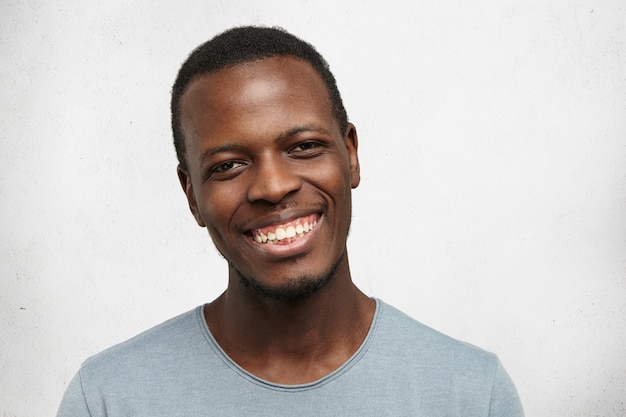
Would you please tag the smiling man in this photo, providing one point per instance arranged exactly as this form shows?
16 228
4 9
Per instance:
268 162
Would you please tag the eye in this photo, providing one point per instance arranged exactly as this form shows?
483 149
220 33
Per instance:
226 166
308 148
225 170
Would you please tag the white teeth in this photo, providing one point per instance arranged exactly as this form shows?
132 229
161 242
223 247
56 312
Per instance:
280 233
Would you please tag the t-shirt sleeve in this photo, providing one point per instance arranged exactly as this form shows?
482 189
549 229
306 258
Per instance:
505 401
73 403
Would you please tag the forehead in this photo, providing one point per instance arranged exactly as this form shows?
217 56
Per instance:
252 91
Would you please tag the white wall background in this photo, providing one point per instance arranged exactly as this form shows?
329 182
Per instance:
492 206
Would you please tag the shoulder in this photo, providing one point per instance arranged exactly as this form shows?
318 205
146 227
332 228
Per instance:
449 372
416 344
160 344
140 371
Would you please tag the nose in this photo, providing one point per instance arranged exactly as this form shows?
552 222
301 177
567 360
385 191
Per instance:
272 180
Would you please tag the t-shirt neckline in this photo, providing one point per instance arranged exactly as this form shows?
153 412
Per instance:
355 358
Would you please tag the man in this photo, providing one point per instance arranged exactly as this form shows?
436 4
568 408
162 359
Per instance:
267 162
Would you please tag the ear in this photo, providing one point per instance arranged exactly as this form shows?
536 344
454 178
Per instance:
185 182
352 144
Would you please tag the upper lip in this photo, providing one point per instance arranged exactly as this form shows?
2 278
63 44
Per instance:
277 218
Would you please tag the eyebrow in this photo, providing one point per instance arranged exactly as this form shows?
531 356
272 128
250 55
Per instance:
299 129
229 147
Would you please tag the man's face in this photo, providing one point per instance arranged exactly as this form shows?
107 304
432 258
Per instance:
269 173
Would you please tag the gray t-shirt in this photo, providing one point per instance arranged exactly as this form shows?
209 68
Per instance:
403 368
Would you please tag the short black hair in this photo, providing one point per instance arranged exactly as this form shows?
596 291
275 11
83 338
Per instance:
246 44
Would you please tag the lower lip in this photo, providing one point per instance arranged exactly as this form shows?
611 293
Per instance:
297 246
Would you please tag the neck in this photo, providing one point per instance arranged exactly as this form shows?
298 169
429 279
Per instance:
292 341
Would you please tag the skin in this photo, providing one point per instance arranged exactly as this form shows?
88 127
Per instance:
263 148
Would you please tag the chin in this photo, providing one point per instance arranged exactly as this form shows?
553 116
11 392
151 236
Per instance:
292 289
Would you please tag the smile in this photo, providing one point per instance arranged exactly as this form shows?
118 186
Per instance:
285 233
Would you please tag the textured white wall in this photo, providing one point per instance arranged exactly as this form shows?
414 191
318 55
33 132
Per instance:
492 206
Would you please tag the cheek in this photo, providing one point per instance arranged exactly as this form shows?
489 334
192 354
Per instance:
217 210
339 175
335 180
